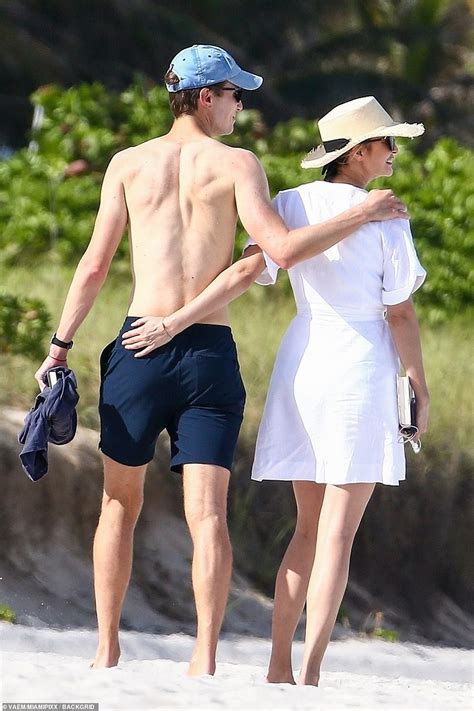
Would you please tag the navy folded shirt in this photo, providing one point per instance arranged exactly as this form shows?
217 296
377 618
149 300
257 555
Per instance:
52 418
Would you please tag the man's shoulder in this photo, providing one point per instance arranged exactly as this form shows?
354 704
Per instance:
121 158
139 149
151 144
236 151
241 160
128 158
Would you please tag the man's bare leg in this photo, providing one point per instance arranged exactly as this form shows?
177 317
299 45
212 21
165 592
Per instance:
205 507
341 513
293 578
113 551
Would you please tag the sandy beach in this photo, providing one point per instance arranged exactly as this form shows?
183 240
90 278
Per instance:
50 666
46 579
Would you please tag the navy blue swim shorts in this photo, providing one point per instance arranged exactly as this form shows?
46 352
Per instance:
191 387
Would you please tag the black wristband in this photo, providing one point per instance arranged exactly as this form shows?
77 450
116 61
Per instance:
62 344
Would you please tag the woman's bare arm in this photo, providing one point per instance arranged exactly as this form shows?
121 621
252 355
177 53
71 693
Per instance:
151 332
406 335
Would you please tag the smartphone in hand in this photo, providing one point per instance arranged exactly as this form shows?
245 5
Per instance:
51 377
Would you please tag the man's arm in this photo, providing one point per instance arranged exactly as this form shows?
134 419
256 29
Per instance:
405 332
150 332
94 265
288 247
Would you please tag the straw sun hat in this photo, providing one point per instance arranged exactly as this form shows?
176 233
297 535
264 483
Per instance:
351 123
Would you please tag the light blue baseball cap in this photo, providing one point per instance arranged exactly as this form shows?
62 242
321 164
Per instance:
204 65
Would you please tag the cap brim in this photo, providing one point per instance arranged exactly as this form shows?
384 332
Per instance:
246 80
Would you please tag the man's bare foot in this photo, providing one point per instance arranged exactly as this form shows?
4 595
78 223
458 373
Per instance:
280 678
106 658
280 671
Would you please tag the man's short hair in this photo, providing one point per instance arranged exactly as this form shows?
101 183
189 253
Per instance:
186 100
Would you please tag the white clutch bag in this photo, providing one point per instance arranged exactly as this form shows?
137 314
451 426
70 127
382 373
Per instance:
407 413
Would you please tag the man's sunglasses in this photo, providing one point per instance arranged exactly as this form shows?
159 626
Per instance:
388 140
237 92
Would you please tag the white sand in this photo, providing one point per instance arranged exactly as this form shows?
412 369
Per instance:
45 665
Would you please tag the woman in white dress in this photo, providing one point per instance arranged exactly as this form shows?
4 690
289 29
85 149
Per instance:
330 423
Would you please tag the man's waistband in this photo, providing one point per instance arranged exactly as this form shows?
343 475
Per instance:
196 336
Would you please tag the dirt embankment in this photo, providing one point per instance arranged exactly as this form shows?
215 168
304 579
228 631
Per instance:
47 527
410 564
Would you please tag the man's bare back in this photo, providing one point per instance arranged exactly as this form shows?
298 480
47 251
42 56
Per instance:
182 218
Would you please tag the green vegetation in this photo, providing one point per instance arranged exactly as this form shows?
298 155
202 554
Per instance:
7 614
387 635
48 197
437 188
23 324
49 282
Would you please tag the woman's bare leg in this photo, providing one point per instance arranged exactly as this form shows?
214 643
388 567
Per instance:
341 513
292 579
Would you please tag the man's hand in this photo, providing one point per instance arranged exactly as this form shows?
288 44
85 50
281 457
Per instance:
148 333
384 205
49 362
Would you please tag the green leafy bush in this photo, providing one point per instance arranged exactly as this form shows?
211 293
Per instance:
7 614
24 324
90 123
41 209
49 198
438 190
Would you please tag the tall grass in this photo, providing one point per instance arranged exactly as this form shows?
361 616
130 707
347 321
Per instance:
50 283
259 319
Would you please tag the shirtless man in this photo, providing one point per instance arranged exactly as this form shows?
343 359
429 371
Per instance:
180 195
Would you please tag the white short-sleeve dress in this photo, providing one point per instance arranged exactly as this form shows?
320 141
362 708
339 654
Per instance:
331 410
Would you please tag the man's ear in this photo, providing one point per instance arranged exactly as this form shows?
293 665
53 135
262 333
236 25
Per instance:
205 96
